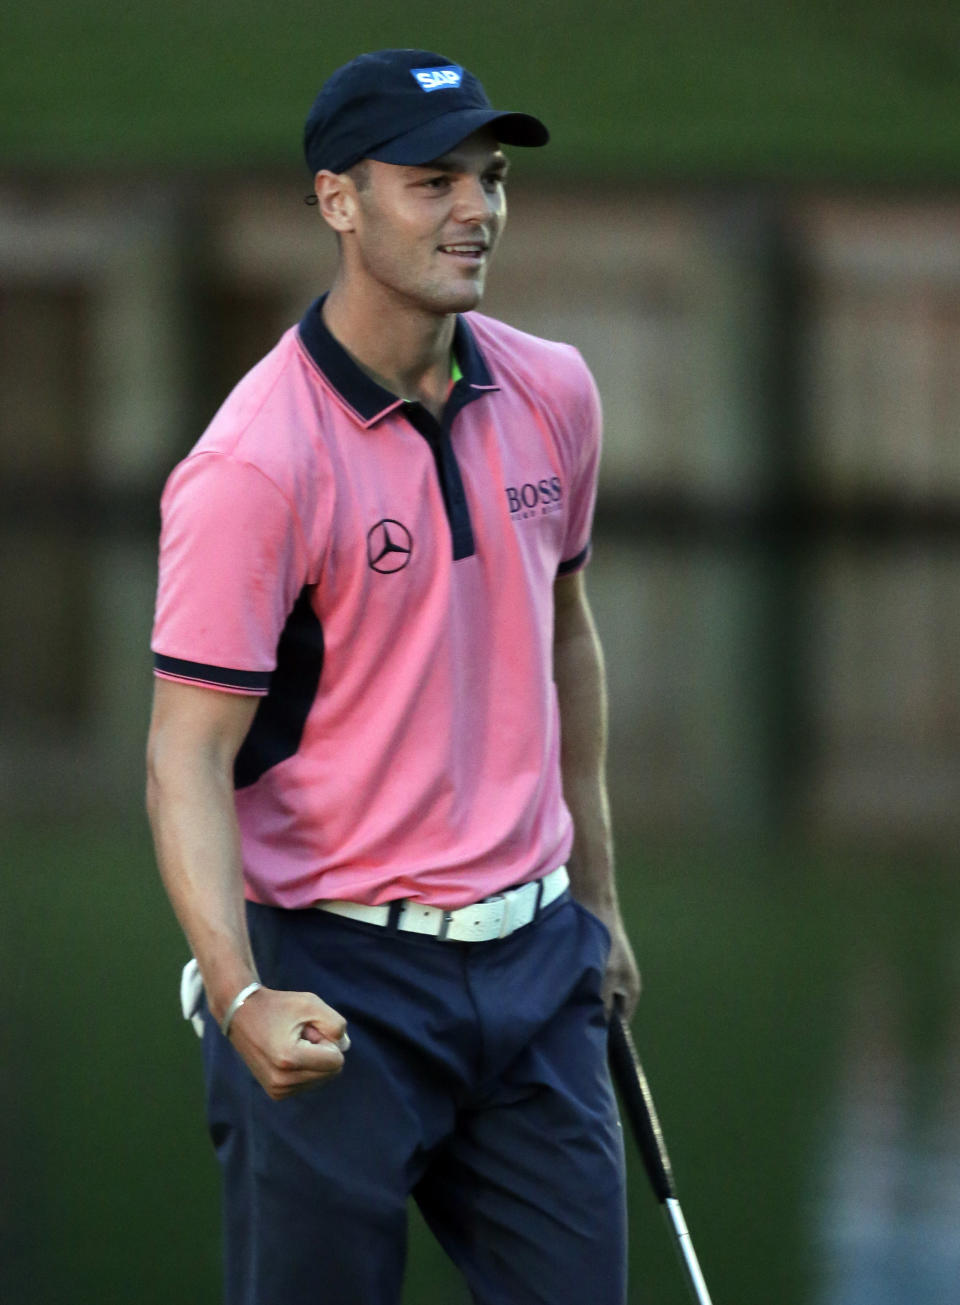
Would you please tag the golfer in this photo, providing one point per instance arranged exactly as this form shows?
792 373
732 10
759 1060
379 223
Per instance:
376 758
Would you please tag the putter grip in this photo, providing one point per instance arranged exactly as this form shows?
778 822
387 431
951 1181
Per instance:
638 1103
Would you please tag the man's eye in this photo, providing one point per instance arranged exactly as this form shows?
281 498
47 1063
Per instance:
436 183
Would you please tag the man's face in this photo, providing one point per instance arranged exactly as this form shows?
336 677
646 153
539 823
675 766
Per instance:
426 234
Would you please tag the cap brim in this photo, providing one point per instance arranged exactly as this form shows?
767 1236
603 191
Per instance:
433 139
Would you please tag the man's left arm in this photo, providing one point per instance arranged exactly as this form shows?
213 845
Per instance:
578 671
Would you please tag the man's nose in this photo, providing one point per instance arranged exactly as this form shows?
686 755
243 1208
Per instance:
476 202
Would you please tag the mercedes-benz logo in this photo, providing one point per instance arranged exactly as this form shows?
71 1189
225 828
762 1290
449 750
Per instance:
389 545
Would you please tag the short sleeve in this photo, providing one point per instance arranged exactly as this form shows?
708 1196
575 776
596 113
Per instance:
232 564
585 419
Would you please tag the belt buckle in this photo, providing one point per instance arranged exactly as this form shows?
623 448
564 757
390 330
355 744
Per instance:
507 913
501 900
445 925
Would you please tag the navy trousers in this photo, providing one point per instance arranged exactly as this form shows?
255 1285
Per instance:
476 1082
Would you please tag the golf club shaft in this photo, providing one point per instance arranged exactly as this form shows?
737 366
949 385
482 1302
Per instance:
638 1104
698 1288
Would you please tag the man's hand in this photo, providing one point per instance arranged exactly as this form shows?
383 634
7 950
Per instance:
622 979
290 1040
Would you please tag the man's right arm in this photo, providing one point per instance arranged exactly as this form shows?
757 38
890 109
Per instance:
287 1038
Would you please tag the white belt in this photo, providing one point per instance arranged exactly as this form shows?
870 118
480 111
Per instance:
494 917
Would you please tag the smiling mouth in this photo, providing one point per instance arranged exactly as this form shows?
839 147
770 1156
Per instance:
472 250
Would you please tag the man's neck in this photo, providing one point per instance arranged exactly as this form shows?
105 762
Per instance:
404 349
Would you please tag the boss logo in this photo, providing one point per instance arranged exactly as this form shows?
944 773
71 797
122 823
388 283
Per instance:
437 79
535 498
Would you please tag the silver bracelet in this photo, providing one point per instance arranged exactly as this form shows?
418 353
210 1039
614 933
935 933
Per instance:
235 1005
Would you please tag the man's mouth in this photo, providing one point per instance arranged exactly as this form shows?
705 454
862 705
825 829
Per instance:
472 250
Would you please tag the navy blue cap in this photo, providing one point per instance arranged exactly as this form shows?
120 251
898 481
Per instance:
404 106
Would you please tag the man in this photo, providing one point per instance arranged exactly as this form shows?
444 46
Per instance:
374 660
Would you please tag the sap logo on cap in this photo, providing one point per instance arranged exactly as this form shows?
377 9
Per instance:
438 79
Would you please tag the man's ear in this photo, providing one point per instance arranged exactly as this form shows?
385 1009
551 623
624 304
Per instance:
337 200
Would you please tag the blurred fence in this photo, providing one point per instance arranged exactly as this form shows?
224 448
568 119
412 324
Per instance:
777 564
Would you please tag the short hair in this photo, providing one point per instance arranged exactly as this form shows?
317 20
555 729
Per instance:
359 174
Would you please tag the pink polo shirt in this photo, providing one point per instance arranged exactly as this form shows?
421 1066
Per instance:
385 582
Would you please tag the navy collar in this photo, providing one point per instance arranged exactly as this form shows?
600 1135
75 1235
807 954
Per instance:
369 400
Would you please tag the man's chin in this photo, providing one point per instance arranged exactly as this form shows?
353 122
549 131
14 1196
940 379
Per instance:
458 298
468 299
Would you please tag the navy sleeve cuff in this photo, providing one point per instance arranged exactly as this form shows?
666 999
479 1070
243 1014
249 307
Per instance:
218 677
574 563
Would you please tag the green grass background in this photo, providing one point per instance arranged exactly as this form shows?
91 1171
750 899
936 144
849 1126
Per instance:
866 90
111 1187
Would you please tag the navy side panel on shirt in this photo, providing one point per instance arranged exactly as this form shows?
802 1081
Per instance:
281 716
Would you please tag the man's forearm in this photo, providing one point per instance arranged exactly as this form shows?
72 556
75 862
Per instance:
289 1040
197 846
581 693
